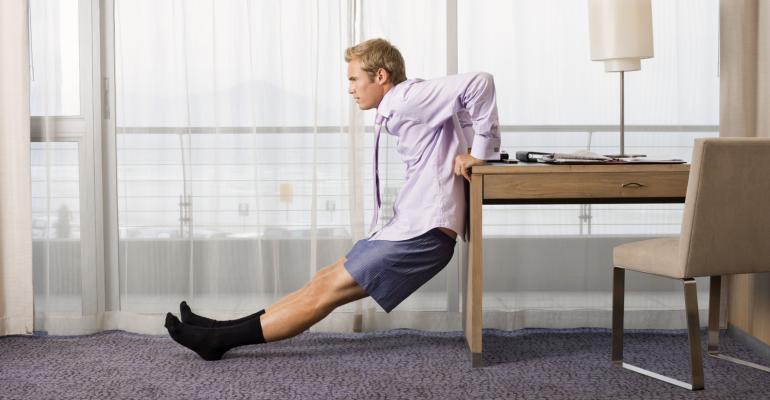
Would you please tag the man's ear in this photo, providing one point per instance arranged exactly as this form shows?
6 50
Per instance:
382 76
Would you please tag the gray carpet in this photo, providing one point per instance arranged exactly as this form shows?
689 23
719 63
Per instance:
398 364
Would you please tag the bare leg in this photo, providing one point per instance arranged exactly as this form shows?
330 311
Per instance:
330 288
293 295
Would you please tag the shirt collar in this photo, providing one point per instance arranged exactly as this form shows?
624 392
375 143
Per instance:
385 108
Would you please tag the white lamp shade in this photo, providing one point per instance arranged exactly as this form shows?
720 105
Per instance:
621 33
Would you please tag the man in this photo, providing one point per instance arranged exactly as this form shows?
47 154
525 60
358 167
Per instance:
436 123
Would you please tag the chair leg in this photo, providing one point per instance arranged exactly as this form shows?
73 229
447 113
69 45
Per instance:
693 332
713 344
618 308
715 288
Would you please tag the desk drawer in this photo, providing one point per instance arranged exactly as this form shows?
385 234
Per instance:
586 185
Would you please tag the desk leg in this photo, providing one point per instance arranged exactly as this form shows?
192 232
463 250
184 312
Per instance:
473 289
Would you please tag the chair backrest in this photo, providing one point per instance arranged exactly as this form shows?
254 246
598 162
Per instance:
726 223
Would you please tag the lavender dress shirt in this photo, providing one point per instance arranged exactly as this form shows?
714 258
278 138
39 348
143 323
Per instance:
434 121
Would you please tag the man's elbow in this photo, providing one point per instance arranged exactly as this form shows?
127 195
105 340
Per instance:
486 78
482 84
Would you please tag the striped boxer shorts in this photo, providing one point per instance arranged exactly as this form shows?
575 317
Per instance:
390 270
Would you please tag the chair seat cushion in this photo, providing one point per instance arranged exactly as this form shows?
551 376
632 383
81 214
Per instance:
654 256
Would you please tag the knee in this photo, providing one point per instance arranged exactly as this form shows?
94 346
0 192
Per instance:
329 269
323 290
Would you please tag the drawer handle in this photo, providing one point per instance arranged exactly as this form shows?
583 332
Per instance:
632 185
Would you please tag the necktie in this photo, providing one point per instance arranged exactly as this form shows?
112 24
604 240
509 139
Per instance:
378 121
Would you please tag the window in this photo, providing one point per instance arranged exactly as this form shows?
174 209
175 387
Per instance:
232 118
56 226
62 157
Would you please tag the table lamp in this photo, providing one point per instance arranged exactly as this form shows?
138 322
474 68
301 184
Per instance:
621 35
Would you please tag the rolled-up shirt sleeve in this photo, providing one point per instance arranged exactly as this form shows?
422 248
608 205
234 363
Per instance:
436 100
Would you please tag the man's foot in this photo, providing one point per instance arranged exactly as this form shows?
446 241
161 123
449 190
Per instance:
194 339
212 343
189 317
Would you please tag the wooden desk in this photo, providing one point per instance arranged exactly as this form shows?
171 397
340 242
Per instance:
555 184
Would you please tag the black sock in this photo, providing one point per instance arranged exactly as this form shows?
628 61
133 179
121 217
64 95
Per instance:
189 317
212 343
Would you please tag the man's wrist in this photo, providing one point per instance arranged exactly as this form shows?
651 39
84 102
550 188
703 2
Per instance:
485 148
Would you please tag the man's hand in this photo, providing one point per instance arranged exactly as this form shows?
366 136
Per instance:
463 164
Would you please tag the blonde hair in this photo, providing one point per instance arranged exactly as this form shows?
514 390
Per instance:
378 53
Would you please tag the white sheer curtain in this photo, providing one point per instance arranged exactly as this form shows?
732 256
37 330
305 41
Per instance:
234 153
243 167
64 280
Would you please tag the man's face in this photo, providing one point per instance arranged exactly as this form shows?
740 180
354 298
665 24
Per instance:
365 91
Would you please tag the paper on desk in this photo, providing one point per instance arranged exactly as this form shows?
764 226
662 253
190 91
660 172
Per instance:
644 160
580 155
588 157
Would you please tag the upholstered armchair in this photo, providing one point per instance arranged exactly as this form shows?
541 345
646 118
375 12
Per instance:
725 230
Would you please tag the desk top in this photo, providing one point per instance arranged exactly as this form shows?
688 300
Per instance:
534 168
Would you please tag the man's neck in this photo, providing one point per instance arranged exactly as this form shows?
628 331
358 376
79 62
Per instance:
386 87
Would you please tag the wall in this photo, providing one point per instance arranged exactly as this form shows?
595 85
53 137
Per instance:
745 92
